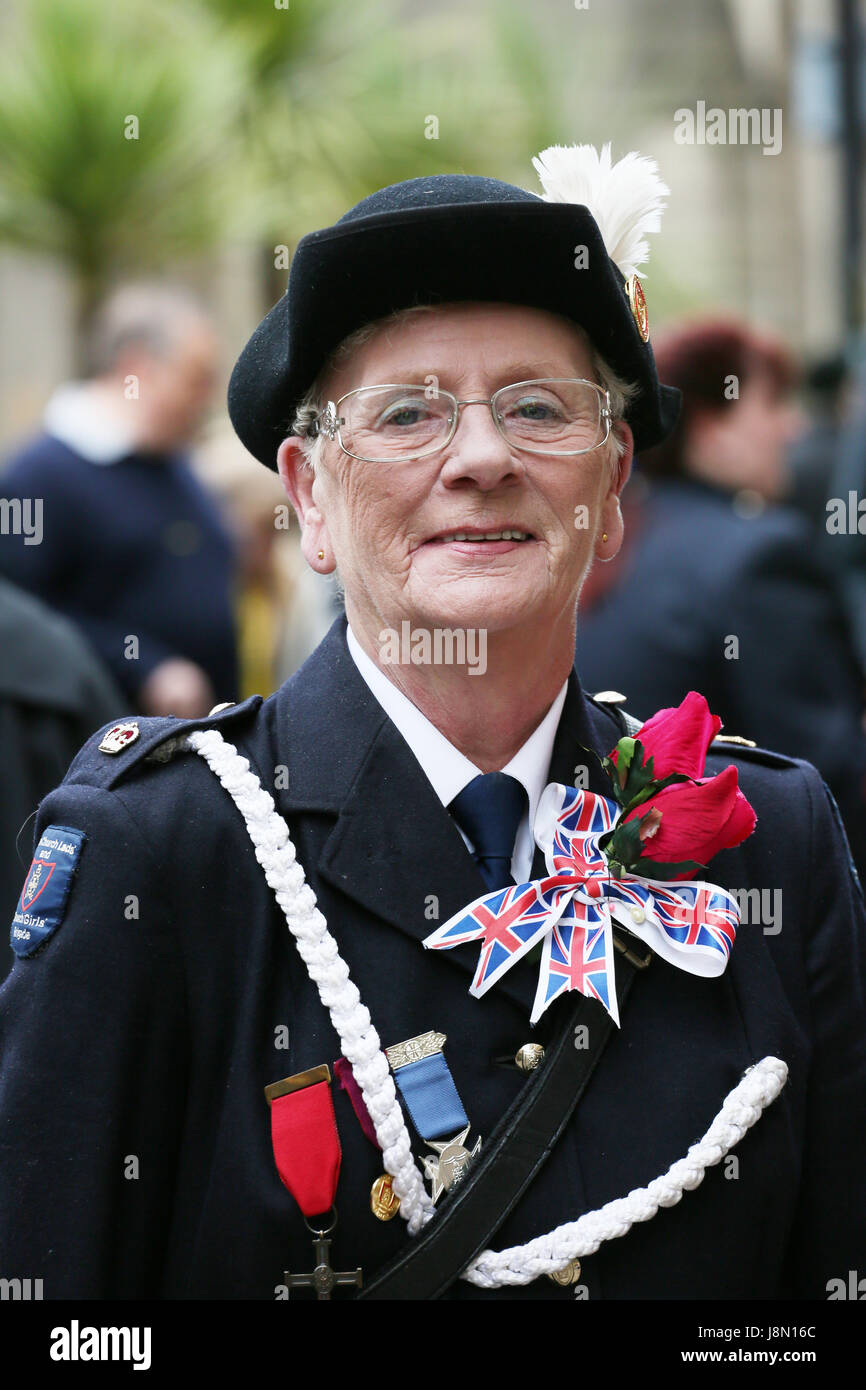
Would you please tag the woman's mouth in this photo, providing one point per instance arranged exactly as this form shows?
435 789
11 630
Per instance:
496 541
475 536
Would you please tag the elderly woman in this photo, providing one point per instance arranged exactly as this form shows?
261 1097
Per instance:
225 1048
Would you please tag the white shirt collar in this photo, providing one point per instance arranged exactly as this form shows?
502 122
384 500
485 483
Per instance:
77 416
446 768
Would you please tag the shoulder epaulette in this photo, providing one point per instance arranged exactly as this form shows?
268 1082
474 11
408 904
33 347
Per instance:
745 750
722 744
116 749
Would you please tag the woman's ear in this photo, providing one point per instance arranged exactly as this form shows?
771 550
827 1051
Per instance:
622 465
299 480
610 533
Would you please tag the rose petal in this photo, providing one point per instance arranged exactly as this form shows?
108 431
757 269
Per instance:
677 738
699 819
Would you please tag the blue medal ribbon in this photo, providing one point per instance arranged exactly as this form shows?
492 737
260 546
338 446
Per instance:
429 1094
428 1089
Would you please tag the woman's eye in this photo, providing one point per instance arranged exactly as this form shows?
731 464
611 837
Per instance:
404 414
535 409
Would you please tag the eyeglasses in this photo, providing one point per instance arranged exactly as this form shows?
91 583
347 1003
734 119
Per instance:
399 423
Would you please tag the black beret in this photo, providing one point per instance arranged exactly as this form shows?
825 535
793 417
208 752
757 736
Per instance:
433 241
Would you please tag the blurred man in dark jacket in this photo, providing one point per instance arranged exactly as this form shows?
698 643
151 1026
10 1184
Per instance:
53 694
115 530
719 590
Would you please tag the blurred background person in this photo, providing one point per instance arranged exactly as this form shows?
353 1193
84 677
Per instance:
131 547
826 393
283 608
54 693
843 529
719 588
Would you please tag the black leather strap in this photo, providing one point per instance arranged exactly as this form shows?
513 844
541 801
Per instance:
509 1161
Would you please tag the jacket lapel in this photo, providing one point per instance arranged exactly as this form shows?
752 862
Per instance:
584 736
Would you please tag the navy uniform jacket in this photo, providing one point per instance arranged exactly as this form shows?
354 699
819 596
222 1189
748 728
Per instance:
153 1038
695 574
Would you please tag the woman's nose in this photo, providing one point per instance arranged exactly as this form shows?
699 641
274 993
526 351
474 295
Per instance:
477 448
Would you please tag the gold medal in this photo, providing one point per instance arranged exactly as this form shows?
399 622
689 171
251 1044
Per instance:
384 1202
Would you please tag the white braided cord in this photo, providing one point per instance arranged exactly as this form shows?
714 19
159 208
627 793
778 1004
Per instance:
520 1264
741 1108
328 971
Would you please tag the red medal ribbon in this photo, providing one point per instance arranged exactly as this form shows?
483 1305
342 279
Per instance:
307 1146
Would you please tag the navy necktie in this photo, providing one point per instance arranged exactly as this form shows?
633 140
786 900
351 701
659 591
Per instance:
489 811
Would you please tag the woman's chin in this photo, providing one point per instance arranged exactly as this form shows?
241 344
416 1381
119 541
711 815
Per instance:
489 609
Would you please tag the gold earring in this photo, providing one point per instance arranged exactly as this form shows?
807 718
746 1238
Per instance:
604 535
321 555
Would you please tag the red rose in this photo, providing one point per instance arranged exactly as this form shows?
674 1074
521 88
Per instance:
696 819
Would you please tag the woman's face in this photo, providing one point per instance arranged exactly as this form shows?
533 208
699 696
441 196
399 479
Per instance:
744 444
389 527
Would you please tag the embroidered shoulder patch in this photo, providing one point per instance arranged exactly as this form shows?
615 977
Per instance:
42 904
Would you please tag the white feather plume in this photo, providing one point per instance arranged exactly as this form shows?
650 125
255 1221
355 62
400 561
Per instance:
626 199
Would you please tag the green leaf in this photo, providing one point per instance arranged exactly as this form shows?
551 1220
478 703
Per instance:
610 768
653 788
626 750
640 773
625 844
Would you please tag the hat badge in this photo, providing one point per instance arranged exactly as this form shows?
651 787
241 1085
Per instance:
637 304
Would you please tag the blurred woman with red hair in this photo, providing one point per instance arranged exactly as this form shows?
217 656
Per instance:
718 588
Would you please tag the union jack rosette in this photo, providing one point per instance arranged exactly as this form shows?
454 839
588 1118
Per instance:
599 870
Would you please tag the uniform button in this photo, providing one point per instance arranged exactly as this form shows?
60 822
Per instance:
529 1056
569 1274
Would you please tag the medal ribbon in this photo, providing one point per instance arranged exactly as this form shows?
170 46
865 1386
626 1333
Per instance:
384 1202
431 1097
307 1147
346 1077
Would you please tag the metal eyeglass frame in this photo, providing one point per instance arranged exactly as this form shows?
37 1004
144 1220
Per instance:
328 421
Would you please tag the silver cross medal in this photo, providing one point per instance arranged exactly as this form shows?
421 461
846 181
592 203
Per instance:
323 1278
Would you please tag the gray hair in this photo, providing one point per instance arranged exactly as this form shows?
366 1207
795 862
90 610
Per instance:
621 392
150 315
